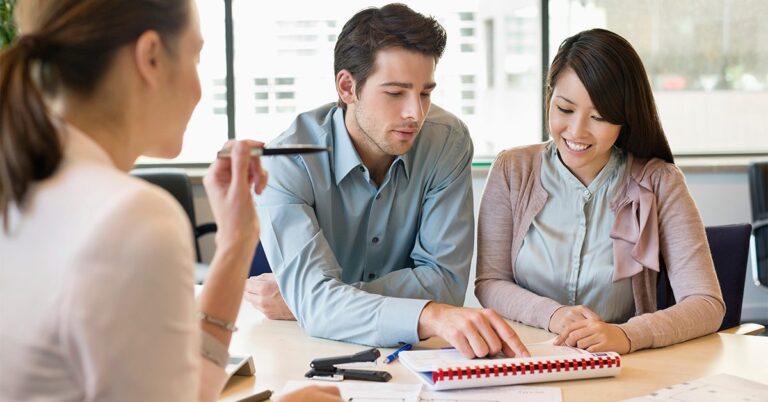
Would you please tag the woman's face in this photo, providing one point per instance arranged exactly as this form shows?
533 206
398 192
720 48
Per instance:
181 90
583 138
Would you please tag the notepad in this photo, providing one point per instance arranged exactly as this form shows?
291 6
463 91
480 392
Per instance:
448 369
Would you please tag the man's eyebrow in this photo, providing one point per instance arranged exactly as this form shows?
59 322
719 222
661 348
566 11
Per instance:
406 85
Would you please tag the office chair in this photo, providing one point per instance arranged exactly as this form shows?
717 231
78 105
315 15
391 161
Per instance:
259 265
176 182
758 190
729 245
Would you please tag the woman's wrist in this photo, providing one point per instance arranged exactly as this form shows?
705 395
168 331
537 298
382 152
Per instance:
552 322
235 242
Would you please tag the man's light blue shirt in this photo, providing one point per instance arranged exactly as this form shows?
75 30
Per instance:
358 262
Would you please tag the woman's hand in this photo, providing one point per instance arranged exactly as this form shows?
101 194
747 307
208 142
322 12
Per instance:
594 336
567 315
228 184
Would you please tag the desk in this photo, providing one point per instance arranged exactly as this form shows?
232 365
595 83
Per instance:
282 353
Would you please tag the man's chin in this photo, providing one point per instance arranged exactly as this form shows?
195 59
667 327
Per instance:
400 148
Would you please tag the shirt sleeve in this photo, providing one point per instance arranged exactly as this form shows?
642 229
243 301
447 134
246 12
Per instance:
685 251
383 312
128 323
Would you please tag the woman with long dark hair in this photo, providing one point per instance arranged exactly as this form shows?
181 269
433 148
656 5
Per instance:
96 274
573 233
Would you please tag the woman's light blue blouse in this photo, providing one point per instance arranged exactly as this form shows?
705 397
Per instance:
567 254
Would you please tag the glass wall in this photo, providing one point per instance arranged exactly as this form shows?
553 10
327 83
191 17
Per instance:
489 75
707 61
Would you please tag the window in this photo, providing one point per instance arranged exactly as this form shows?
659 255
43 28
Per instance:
707 61
299 81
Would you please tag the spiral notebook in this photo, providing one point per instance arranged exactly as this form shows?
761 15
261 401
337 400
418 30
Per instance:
448 369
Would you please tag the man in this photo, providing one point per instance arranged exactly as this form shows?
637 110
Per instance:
372 243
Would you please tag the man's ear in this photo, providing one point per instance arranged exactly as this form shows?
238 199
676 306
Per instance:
346 87
147 55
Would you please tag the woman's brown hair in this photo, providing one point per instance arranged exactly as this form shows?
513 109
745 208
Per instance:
617 83
65 45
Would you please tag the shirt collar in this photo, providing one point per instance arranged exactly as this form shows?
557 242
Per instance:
602 177
345 156
406 160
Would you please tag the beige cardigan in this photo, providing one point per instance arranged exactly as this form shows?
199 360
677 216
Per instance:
655 218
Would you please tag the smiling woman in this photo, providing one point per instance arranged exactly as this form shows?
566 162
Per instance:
573 233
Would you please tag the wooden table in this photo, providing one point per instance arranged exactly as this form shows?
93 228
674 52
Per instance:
282 352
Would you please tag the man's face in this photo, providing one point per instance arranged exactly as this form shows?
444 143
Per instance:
387 114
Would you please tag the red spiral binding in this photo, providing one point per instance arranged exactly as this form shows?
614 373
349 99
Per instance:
525 368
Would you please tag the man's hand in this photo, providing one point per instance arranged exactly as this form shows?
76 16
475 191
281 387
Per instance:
567 315
474 332
262 292
594 336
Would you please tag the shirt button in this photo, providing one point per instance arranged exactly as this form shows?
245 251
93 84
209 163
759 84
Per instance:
362 169
378 196
371 276
375 240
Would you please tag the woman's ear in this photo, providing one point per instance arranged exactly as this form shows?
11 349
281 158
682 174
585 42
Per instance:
148 52
346 87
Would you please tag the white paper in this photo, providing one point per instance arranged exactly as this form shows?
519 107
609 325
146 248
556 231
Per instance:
717 388
364 391
391 392
495 394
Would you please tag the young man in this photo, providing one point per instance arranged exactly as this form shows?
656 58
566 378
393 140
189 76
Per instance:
372 243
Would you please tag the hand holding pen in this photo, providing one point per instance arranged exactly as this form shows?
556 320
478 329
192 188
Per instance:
392 356
283 149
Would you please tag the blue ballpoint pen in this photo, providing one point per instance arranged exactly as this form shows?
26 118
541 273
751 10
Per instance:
392 356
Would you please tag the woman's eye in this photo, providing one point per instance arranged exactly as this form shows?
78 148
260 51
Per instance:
564 110
597 118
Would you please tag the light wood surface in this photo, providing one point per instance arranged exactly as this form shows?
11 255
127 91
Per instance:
282 352
745 329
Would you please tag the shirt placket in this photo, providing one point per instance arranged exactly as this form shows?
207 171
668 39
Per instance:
376 230
584 196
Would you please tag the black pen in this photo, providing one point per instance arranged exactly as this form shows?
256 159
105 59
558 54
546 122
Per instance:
287 149
261 396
